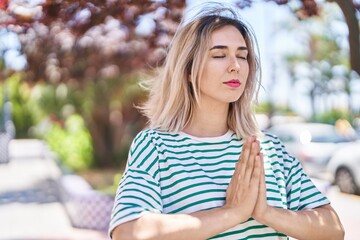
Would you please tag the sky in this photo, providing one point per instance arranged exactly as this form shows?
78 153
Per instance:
10 46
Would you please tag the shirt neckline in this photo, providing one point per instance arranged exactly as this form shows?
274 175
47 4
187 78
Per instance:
223 137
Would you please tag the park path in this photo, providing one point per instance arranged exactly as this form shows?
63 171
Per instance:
30 206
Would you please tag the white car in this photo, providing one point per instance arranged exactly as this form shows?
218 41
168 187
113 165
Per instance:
344 166
311 143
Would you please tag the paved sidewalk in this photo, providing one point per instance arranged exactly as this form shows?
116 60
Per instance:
29 197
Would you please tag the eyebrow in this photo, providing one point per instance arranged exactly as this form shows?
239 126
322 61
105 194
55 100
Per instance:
225 47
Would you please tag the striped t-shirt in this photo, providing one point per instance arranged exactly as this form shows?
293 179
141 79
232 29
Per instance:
178 173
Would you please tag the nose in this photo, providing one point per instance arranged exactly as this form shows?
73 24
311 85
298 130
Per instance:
234 65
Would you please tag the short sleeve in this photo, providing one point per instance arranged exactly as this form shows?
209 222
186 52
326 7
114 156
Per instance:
301 191
138 192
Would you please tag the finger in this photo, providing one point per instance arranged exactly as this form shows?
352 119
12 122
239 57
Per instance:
250 164
255 176
244 156
262 175
262 199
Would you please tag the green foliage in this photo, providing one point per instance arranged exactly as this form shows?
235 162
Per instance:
23 113
332 116
64 131
270 108
72 143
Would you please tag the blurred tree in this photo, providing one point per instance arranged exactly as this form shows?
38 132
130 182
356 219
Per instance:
91 50
93 46
304 9
322 66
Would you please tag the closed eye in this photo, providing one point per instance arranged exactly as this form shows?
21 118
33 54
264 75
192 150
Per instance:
222 56
242 57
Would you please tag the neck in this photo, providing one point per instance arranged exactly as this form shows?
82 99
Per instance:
208 121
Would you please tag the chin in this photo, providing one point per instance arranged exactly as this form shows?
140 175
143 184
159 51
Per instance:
233 99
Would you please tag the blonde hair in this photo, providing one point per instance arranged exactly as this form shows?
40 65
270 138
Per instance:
175 91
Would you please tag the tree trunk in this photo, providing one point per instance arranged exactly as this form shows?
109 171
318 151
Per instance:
98 122
101 133
349 12
312 103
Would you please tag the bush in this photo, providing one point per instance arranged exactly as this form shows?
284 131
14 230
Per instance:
72 143
24 113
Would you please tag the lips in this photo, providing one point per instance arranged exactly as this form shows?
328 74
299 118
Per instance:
233 83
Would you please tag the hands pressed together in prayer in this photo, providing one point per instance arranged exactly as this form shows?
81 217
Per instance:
246 193
246 197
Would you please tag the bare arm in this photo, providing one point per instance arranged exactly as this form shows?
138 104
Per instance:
319 223
199 225
242 191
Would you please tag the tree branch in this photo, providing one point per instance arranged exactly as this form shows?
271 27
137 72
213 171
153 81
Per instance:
349 12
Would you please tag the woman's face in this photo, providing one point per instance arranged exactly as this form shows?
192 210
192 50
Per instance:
226 67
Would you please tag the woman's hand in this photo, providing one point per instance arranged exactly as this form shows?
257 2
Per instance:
243 190
261 206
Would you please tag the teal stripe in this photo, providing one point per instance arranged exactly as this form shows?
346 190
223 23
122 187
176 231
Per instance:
289 161
274 164
138 142
308 188
309 196
253 236
156 160
272 148
145 193
134 156
211 184
126 183
192 178
272 141
122 210
194 171
156 174
306 180
199 157
239 231
200 150
180 172
185 165
135 197
258 236
322 201
192 144
166 169
276 178
197 203
127 215
142 173
274 191
195 194
274 199
293 174
296 200
293 191
147 158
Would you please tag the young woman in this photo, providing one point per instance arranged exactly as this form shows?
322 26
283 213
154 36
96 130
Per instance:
199 170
